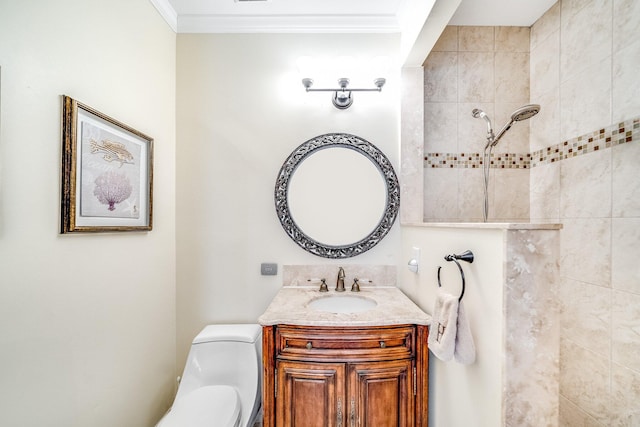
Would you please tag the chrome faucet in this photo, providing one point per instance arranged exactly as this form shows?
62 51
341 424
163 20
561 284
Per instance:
340 281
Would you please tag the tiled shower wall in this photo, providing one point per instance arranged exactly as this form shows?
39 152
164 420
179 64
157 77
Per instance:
485 68
585 60
578 166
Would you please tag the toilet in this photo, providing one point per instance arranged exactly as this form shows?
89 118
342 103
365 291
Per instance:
221 383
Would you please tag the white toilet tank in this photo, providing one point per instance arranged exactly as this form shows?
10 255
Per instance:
227 355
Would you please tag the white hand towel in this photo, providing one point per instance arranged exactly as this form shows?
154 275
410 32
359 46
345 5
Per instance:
465 351
442 332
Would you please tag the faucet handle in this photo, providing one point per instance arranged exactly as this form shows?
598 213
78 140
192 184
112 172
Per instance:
355 287
323 286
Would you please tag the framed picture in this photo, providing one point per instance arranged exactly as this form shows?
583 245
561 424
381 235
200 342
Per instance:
107 173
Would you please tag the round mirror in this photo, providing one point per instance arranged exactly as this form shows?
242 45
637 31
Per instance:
337 195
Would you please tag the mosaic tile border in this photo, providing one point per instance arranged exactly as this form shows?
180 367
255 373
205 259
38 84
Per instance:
621 133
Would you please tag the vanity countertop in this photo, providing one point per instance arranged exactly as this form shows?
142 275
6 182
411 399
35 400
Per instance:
290 307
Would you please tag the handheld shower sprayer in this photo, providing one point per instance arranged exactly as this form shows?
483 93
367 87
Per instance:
523 113
481 114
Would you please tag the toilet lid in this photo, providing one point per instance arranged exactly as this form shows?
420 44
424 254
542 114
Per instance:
210 406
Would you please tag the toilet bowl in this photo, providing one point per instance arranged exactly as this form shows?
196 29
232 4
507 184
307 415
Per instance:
221 383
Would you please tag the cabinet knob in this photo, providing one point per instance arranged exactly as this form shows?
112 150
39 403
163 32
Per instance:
383 344
309 345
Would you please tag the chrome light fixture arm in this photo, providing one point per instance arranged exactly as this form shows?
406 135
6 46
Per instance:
342 98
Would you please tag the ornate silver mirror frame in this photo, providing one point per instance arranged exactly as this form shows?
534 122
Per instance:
365 148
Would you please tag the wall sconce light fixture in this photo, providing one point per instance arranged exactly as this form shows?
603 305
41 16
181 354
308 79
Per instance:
342 97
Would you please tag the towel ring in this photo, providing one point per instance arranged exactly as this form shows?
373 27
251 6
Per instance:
466 256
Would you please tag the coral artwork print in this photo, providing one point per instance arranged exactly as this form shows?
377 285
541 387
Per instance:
110 175
112 188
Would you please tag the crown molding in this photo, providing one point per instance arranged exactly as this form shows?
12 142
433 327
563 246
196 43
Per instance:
167 12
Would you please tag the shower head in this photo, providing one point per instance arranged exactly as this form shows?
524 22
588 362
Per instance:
523 113
481 114
526 112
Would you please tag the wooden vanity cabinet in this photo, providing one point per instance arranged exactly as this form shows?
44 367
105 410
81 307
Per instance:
345 376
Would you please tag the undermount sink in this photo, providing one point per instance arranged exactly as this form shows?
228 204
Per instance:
342 304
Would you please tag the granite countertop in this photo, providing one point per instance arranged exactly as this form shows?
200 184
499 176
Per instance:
289 307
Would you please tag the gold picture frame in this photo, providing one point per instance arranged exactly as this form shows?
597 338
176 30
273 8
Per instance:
107 173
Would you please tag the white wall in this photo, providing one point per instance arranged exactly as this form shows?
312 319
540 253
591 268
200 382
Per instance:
241 111
87 322
462 395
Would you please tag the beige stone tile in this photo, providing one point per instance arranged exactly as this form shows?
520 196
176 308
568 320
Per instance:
625 182
510 195
441 77
584 380
512 77
626 15
586 315
586 35
547 24
572 416
448 40
545 126
585 105
475 77
512 39
441 194
586 186
471 195
440 127
586 250
626 84
476 39
545 66
625 397
544 186
625 253
625 345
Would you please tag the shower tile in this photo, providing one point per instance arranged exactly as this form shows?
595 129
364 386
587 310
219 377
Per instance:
544 185
471 195
440 194
512 77
586 35
440 124
448 41
586 315
625 345
626 85
626 15
625 252
586 186
545 127
586 250
545 66
586 100
573 416
625 400
547 24
475 77
441 77
476 39
584 380
512 39
510 195
625 182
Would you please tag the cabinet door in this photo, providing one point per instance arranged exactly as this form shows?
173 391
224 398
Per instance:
310 394
381 394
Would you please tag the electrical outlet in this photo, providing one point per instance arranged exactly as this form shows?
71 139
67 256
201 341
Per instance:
268 268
